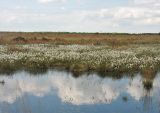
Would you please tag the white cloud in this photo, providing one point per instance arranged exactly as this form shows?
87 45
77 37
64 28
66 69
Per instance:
48 1
147 2
138 14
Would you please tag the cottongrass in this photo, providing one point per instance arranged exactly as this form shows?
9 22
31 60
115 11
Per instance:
81 57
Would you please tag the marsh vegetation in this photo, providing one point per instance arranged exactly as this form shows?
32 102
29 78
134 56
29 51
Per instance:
80 58
65 38
79 52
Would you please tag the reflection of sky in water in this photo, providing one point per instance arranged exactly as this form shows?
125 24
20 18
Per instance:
61 92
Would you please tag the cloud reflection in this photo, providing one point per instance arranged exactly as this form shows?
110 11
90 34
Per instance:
78 91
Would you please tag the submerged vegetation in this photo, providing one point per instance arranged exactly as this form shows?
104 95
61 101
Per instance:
80 58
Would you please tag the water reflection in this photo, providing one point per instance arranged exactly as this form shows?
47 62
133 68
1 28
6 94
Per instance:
88 90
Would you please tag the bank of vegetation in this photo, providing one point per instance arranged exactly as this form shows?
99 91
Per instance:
80 58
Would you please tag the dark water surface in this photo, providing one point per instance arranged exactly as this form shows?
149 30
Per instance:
60 92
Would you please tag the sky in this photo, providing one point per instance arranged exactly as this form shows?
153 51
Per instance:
129 16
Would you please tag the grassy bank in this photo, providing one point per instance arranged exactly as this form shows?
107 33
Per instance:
64 38
80 58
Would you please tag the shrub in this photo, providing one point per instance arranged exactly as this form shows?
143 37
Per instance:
19 39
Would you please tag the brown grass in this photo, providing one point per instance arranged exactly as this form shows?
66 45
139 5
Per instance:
149 74
78 38
13 48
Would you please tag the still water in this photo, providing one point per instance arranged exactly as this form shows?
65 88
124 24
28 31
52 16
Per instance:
60 92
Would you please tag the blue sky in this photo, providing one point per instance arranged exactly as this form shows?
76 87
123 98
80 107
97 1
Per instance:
132 16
